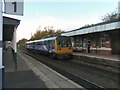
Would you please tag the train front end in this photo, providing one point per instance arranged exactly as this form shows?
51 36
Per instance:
63 47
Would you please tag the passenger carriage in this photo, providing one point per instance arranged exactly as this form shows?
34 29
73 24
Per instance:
59 46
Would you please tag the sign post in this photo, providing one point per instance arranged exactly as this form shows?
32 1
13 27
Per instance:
1 39
14 7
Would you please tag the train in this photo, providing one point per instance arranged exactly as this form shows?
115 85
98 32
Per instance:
56 47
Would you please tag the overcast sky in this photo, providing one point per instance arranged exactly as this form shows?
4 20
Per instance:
62 14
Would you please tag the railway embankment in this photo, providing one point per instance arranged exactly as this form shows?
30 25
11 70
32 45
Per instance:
103 62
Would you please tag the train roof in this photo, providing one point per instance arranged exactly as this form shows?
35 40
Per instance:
29 42
43 39
50 38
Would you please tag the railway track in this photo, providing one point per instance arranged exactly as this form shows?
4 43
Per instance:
74 77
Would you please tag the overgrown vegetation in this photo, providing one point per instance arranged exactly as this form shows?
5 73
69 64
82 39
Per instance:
111 16
46 32
22 42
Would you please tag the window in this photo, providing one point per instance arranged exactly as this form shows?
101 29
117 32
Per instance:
52 44
103 42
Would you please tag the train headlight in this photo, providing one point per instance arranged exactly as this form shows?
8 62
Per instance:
59 49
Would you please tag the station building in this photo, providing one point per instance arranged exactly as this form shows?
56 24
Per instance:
101 38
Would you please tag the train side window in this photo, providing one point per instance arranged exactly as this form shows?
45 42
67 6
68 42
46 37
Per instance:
52 44
46 43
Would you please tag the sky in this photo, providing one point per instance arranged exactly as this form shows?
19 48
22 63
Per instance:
65 14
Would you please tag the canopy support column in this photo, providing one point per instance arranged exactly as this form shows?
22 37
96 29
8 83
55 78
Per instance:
14 46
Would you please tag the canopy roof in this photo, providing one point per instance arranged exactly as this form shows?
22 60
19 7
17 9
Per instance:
8 27
100 27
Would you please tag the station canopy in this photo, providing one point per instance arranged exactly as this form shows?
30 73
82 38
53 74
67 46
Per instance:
100 27
8 27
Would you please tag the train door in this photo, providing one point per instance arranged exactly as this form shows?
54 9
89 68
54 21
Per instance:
51 46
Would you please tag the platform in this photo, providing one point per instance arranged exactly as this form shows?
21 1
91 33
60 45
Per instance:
107 60
107 57
32 74
23 77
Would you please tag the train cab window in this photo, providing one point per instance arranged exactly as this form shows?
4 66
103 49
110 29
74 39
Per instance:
65 43
59 44
69 44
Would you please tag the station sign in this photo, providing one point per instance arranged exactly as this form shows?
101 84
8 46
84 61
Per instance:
14 7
